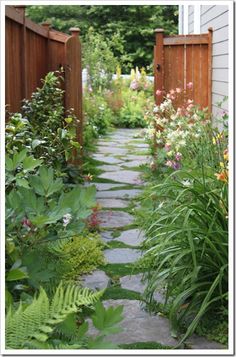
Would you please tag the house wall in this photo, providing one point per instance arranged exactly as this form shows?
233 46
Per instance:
217 17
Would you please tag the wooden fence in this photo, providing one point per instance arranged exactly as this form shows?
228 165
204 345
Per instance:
31 52
180 59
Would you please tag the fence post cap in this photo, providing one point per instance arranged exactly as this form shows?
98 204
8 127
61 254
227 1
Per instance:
210 29
46 24
158 30
74 31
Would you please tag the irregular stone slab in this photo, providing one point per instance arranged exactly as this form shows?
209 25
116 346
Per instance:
133 163
201 343
122 194
112 203
105 186
106 159
132 237
107 236
114 219
109 167
125 176
122 255
136 158
138 325
98 280
134 282
111 150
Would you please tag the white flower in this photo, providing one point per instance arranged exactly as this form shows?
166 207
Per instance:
66 219
186 183
156 109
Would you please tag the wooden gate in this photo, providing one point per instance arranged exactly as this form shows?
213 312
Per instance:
31 52
180 59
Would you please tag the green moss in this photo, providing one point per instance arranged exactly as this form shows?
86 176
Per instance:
116 293
120 269
116 244
116 234
145 346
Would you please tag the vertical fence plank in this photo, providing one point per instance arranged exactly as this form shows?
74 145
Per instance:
159 65
73 79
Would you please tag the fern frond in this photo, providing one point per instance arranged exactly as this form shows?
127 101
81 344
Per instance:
37 321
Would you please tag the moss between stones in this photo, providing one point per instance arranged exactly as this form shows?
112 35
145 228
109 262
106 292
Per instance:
145 346
116 244
121 269
117 293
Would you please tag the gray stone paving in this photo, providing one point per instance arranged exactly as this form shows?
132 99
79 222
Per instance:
138 325
114 219
121 194
132 237
112 203
122 255
98 280
125 176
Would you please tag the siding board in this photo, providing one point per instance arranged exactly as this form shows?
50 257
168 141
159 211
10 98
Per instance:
220 74
220 61
216 23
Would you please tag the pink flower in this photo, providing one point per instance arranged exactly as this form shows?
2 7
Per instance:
158 92
178 156
169 163
189 85
189 108
168 96
178 90
172 97
172 91
190 101
167 147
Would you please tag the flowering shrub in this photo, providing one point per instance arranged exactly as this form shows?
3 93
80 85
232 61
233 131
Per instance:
173 129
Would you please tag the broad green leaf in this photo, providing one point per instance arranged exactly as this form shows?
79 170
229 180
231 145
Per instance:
9 164
22 182
16 274
30 163
18 158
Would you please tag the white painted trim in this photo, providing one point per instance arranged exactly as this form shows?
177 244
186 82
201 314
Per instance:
197 19
185 19
181 15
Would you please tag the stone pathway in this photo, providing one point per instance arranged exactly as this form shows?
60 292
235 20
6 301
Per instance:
120 155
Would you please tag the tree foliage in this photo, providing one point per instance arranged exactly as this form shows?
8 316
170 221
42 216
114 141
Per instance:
134 23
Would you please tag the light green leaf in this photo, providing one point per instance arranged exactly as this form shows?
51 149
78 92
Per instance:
16 274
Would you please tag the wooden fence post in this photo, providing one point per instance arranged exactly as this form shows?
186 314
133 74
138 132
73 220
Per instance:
73 82
210 34
24 64
159 65
47 26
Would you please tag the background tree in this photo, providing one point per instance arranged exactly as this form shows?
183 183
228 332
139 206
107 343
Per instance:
133 26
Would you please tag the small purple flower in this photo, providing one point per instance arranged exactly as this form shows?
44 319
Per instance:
26 223
178 156
175 165
134 85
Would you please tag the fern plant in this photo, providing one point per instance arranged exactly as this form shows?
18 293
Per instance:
32 326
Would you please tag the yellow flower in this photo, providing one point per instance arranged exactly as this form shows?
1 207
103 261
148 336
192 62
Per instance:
226 155
214 141
222 164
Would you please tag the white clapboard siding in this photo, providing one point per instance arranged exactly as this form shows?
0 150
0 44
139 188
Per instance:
190 19
212 13
220 61
219 87
216 23
216 16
